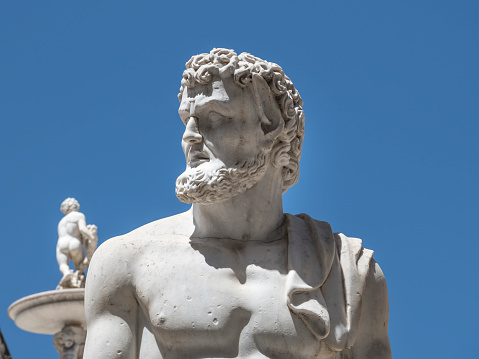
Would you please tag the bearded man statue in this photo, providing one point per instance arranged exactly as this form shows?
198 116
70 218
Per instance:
235 277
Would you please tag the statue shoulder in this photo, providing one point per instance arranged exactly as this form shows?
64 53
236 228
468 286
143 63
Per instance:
130 247
372 339
74 216
350 269
166 229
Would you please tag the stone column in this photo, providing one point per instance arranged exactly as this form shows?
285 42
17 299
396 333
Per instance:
70 342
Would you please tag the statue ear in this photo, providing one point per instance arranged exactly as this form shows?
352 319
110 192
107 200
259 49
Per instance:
268 110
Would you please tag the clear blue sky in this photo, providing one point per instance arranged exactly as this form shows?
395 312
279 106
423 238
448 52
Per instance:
88 109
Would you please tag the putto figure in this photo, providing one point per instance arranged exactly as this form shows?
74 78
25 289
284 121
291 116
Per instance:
76 242
235 277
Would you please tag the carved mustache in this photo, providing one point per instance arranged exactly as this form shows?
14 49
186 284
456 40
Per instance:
195 154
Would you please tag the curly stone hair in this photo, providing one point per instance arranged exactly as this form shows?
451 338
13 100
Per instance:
286 150
69 205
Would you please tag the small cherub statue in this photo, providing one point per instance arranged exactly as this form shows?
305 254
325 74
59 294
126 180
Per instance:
76 241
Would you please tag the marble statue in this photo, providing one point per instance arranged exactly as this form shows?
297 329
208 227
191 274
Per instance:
61 312
235 277
76 242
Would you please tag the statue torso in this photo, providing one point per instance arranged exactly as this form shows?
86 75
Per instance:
215 298
68 231
183 297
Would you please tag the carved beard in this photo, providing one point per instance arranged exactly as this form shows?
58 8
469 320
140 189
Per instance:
197 185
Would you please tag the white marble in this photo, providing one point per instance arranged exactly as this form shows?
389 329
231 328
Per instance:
48 312
76 242
61 311
235 277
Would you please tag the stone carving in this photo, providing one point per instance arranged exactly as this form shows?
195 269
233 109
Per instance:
76 242
70 342
235 277
4 353
61 312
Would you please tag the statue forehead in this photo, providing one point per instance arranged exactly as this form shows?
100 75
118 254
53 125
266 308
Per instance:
218 90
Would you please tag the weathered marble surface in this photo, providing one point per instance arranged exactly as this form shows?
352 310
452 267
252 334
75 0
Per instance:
235 277
70 342
59 312
76 242
48 312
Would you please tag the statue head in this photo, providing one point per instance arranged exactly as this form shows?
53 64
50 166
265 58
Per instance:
70 205
242 114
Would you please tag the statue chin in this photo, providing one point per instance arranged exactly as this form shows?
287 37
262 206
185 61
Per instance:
207 185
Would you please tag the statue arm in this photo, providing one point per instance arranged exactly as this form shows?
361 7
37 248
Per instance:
110 305
83 227
372 341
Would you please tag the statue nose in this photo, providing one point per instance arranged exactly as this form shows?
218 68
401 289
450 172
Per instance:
192 134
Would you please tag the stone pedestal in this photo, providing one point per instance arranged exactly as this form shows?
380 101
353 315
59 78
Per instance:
70 342
58 312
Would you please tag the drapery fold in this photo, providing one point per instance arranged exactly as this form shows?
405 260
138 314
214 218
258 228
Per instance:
326 278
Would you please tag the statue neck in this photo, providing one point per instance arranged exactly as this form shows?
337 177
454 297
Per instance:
252 215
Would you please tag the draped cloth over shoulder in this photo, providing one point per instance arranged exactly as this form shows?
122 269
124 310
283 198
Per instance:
326 278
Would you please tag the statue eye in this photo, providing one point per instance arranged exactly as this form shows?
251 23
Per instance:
215 119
